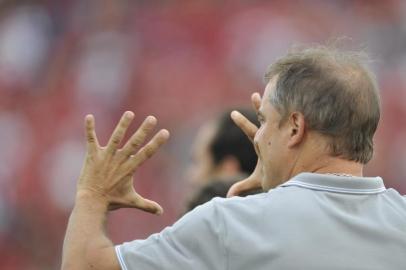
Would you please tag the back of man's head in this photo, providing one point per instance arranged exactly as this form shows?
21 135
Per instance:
230 141
335 92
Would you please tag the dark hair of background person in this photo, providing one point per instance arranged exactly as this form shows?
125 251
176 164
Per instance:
336 93
215 189
229 140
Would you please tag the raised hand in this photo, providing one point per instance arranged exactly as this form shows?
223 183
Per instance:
254 180
107 172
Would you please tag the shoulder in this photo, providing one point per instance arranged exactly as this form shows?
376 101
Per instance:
251 204
276 195
395 197
281 201
237 201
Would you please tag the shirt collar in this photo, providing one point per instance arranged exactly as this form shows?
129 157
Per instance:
335 183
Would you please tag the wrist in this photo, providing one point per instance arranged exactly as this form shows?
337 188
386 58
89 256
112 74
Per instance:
91 199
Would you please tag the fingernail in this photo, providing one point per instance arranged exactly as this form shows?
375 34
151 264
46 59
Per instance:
165 133
151 119
89 117
129 114
234 114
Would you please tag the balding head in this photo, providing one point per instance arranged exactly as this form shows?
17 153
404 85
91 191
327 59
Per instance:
335 92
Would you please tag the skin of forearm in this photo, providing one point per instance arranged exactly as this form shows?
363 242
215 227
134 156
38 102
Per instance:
86 245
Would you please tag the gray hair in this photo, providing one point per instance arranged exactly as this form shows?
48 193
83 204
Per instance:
336 93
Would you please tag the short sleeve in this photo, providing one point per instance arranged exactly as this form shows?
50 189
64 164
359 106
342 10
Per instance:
193 242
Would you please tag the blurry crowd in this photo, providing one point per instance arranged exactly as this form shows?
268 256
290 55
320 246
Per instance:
182 61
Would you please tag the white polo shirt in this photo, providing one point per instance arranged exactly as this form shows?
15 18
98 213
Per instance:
313 221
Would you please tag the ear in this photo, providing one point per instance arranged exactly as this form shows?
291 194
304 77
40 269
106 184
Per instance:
297 128
229 166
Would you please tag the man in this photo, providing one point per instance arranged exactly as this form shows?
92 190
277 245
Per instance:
216 189
318 115
222 155
222 152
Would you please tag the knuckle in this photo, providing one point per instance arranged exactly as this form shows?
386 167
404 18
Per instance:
134 144
115 140
124 122
160 142
90 139
148 151
142 133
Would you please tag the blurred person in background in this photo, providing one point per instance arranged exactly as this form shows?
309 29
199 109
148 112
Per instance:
222 155
222 152
318 114
214 190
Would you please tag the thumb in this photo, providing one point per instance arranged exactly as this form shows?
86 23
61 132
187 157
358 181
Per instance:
256 101
148 206
244 185
134 200
244 124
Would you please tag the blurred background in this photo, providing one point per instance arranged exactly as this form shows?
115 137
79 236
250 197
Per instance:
182 61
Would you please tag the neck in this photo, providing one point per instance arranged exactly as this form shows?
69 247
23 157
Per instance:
313 157
341 166
328 164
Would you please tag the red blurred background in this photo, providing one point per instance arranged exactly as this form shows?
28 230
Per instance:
181 61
